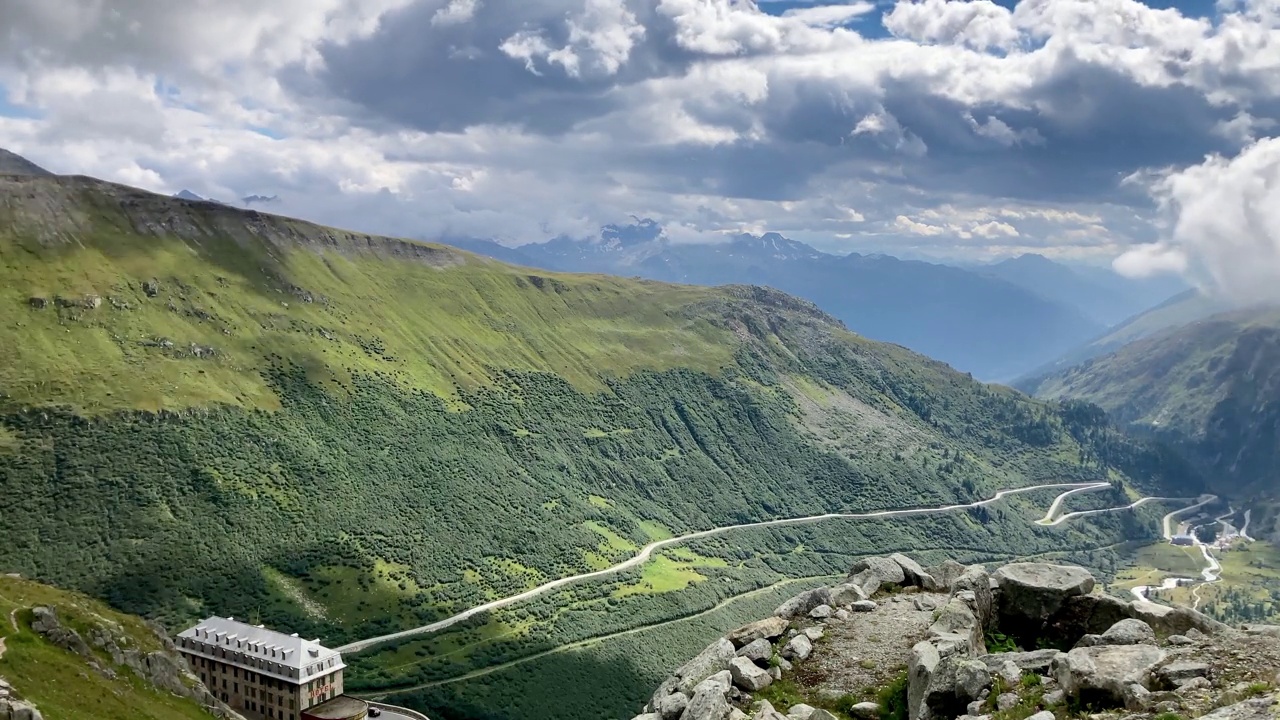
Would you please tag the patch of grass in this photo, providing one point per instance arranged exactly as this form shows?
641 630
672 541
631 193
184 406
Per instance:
1030 680
1169 716
867 664
998 642
893 699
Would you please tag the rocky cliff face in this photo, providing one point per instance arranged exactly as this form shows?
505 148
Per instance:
1029 640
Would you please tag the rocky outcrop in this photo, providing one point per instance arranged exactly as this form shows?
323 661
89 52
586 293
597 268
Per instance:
1117 657
11 708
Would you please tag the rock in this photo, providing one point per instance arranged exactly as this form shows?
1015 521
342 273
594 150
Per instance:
1004 701
957 626
945 574
748 676
736 714
821 714
1104 676
1042 715
784 664
648 716
44 621
876 571
924 604
766 712
707 704
91 302
1259 629
800 712
1054 697
801 604
798 648
843 615
1179 640
847 593
1010 672
976 580
1174 621
923 662
38 303
1031 593
672 706
1256 709
768 629
865 711
1091 640
974 708
813 633
775 672
1180 671
822 612
863 606
714 659
1037 661
1130 631
721 682
913 573
1192 685
757 652
151 287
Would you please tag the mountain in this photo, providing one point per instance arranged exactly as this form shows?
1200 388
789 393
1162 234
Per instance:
185 194
988 326
74 658
208 410
1212 385
11 164
1180 310
1104 296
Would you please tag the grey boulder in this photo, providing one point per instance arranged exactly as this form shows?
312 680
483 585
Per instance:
1262 708
768 629
798 648
672 706
1034 592
803 603
1107 675
757 652
707 704
749 676
847 593
884 570
913 573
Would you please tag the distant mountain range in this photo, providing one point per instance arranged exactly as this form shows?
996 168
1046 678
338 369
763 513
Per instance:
998 322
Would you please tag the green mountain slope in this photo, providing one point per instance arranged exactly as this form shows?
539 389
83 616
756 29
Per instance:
88 684
211 410
1212 385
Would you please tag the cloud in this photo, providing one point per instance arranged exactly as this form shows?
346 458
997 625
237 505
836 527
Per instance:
1225 225
970 127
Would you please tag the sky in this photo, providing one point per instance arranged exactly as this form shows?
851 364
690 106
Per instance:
1101 130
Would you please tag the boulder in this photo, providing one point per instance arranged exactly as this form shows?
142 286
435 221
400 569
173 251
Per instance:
813 633
865 711
1178 672
1192 685
714 659
957 626
883 570
1037 661
736 714
945 574
1032 593
803 603
757 652
1081 615
768 629
863 606
1179 640
648 716
721 682
1259 629
672 706
945 690
765 711
976 580
1054 697
1130 631
820 714
914 574
822 612
709 703
847 593
1174 621
1042 715
749 676
921 666
44 621
1004 701
801 712
1105 676
1262 708
1010 673
798 648
924 603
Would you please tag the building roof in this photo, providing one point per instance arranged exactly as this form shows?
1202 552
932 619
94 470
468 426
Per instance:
342 707
266 651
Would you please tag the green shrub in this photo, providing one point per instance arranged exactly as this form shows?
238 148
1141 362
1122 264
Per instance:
893 699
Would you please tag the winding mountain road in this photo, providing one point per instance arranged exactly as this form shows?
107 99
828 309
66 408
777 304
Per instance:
643 556
1098 486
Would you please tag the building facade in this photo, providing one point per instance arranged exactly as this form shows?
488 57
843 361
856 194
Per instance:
261 673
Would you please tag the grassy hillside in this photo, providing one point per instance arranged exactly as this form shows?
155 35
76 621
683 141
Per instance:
1213 386
205 410
68 686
